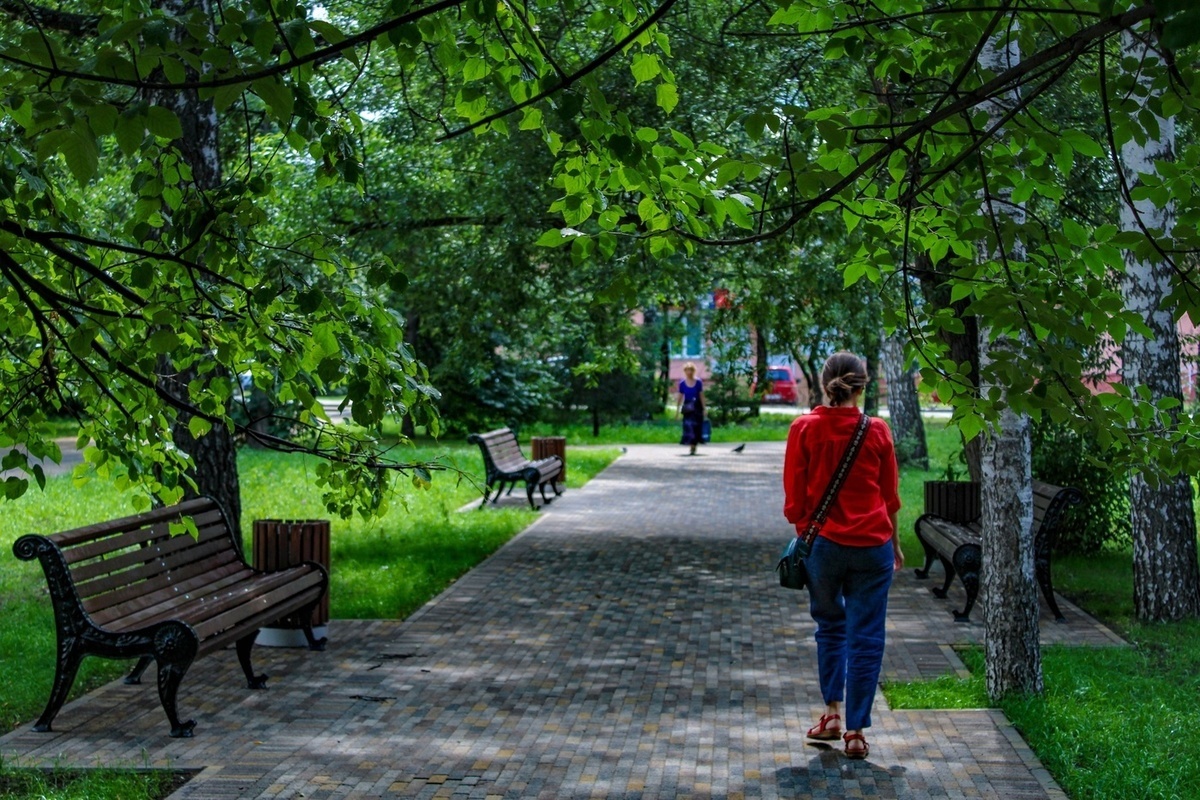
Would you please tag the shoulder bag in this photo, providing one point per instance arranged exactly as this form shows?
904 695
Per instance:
792 572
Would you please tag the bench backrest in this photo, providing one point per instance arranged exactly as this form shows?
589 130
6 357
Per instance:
1050 503
501 449
112 569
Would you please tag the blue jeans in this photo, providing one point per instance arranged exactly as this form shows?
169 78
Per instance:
848 593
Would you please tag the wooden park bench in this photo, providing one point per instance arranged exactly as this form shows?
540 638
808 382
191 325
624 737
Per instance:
130 588
504 463
958 545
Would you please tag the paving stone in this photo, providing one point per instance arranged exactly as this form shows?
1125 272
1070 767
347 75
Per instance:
632 643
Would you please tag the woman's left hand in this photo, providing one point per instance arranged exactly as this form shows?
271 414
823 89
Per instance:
898 559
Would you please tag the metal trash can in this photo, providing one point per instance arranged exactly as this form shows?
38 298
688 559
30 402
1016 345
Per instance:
546 446
281 543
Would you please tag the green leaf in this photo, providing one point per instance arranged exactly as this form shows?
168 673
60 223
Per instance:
645 66
81 154
728 172
551 238
667 96
198 427
327 31
1083 144
531 119
1076 234
278 97
131 132
163 341
163 122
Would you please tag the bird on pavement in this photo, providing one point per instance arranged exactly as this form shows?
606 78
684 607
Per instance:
740 448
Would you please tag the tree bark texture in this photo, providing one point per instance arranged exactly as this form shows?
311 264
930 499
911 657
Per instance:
1009 594
1166 579
904 406
1012 648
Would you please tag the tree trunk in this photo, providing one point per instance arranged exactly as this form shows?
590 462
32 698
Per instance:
812 377
214 455
412 335
664 358
1008 592
1012 649
761 360
1166 580
871 393
904 406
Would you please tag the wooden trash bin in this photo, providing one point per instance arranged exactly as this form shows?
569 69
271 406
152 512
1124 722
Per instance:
546 446
957 501
282 543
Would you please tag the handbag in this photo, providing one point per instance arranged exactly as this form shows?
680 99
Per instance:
793 574
705 432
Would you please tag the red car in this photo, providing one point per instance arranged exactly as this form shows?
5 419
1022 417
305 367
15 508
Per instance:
781 386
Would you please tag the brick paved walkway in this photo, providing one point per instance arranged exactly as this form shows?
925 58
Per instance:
630 644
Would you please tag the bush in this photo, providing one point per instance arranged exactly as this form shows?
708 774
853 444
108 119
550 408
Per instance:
1064 457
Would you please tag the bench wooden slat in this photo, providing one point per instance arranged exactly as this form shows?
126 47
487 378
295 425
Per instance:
239 605
263 617
167 513
149 591
112 544
208 601
146 562
134 612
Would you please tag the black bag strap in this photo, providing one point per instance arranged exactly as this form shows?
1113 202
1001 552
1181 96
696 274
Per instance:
839 477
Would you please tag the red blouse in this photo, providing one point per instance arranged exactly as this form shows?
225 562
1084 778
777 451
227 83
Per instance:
860 516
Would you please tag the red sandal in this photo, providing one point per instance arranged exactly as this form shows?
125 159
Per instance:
856 752
825 731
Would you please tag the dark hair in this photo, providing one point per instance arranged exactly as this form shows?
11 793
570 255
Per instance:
843 375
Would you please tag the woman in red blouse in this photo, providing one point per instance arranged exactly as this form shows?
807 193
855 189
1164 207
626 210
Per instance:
852 560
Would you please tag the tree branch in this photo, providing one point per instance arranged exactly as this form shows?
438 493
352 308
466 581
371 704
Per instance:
1073 46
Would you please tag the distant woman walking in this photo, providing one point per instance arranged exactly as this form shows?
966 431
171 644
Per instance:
691 406
858 549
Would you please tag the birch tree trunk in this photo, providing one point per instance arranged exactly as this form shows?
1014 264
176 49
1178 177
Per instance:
1012 648
214 455
904 406
1166 580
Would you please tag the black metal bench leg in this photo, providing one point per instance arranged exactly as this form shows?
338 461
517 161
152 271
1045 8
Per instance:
175 646
554 486
487 492
65 670
306 614
244 646
970 582
940 591
134 678
968 559
930 556
1041 569
529 487
545 500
